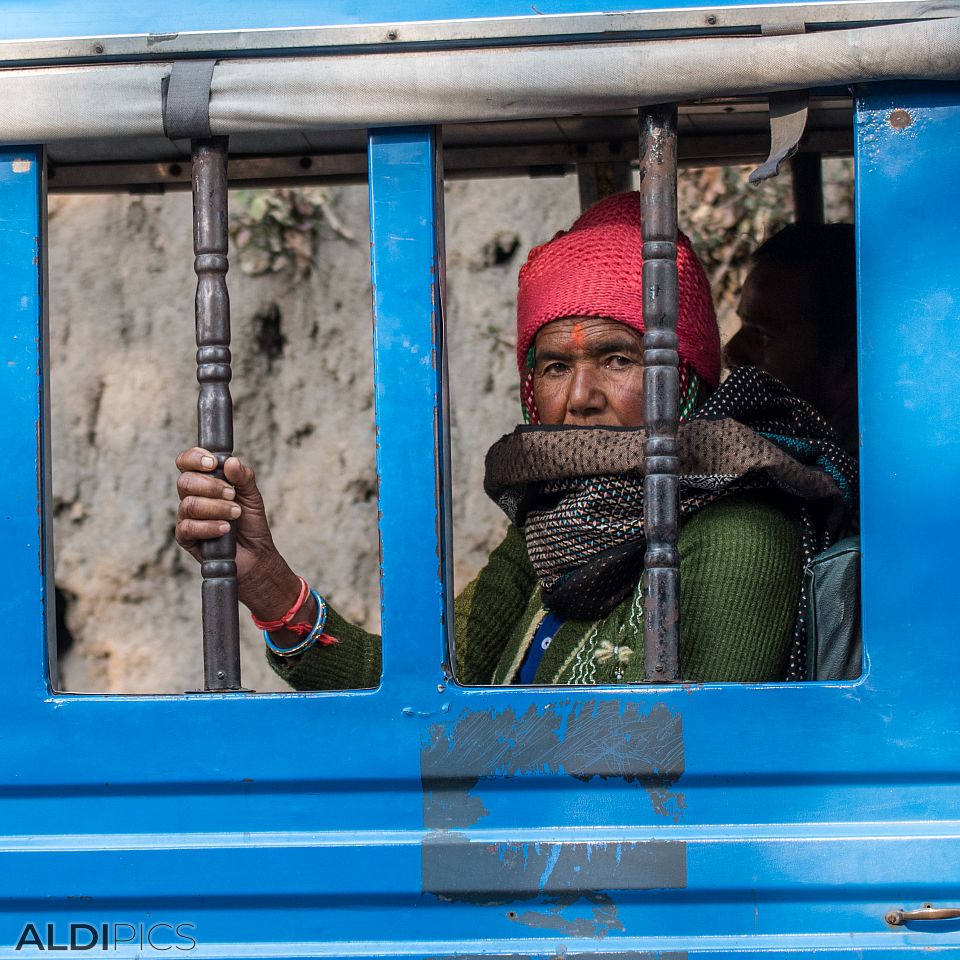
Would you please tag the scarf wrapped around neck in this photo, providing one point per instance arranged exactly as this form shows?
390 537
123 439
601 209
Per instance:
576 493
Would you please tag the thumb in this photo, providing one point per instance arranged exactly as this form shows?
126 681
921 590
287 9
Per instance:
244 480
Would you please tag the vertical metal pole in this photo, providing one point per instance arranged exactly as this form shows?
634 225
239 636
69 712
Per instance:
806 170
661 392
221 620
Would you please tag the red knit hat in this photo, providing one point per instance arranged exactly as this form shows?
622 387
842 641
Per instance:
594 270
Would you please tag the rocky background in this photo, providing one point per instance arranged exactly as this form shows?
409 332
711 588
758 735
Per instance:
124 391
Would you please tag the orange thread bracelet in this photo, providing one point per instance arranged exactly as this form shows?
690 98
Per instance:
284 621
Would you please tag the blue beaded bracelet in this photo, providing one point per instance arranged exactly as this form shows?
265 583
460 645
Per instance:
310 639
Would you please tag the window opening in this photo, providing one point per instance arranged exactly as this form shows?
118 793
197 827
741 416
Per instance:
503 250
124 402
727 221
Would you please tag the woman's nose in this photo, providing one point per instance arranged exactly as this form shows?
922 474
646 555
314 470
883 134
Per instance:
585 396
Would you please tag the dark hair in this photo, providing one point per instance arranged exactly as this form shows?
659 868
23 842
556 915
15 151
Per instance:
827 252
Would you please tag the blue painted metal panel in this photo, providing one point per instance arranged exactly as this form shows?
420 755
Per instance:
406 222
41 19
21 393
432 820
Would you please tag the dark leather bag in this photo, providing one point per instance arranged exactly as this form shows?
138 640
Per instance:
834 633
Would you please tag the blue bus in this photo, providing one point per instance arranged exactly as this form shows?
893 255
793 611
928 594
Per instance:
425 818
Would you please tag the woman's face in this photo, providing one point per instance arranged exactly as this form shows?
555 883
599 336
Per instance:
588 371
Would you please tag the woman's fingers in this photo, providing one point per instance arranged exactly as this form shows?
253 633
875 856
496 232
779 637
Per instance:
189 531
206 508
196 458
201 485
201 519
208 505
194 479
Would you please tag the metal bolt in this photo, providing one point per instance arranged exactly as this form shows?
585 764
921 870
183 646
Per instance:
220 674
900 119
712 20
98 48
392 35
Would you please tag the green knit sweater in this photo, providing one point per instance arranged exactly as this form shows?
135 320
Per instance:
740 569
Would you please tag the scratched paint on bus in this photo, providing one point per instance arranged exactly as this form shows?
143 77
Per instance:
457 868
607 739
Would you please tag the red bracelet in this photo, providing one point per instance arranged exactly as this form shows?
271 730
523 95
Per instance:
305 627
284 621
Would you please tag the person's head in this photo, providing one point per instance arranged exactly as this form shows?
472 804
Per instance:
580 321
798 307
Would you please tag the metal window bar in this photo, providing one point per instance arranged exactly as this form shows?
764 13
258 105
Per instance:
806 171
661 392
221 615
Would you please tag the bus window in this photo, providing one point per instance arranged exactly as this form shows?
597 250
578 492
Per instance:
124 402
301 295
727 222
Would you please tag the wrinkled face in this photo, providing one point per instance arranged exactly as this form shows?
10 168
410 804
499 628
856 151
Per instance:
589 372
778 333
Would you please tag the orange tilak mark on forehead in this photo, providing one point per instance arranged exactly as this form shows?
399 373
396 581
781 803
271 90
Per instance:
576 335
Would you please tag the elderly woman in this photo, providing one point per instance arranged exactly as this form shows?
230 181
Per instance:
764 486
